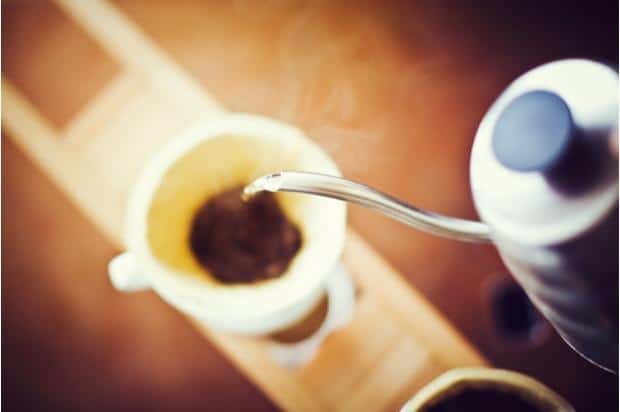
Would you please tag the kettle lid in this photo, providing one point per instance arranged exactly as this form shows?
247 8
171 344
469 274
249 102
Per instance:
540 169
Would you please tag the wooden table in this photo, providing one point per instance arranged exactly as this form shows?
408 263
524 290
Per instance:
393 92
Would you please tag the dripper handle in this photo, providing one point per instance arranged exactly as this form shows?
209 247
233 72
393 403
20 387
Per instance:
350 191
125 274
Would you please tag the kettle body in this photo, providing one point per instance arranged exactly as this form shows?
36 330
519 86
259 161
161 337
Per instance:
545 181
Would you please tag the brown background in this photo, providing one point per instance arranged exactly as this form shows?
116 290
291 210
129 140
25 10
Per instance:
392 90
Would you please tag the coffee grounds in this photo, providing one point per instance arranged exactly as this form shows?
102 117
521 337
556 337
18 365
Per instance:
243 242
482 400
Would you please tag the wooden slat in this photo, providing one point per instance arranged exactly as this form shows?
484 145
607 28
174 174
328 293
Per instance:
408 305
120 37
252 357
36 136
107 104
402 363
148 119
332 375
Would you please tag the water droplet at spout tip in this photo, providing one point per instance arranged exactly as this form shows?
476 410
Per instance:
246 195
270 183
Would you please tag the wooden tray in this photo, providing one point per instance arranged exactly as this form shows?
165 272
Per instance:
396 342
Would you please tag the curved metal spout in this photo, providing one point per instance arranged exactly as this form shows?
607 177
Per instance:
349 191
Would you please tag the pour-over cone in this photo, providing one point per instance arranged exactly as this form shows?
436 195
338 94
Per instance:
223 154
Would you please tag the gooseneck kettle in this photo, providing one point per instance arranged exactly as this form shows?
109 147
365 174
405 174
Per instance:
544 178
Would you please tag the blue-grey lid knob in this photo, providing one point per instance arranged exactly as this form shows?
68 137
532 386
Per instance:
533 132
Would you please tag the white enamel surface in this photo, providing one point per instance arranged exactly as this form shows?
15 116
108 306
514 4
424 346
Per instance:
249 309
521 206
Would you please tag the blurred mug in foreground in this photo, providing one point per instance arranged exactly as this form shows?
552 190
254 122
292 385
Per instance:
485 389
164 223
